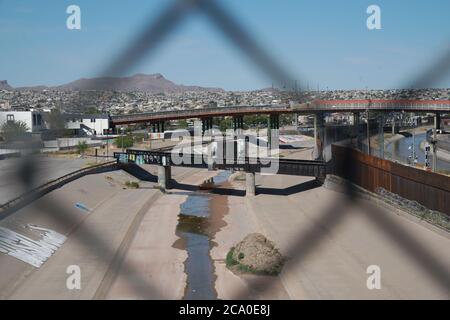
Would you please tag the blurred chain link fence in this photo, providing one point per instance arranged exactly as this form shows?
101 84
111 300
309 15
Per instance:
142 47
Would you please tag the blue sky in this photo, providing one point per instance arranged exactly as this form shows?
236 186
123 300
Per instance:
319 42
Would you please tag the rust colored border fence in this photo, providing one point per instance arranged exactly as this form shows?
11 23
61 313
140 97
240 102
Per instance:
429 189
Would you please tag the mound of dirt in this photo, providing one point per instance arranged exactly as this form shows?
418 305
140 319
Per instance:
255 254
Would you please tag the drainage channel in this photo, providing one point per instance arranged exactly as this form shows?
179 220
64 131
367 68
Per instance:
195 231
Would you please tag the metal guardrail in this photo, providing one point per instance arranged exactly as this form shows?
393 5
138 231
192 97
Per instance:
53 184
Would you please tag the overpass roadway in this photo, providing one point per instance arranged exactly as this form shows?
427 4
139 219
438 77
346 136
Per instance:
316 106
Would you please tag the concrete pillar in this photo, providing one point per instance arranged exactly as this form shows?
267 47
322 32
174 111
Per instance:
393 124
437 125
250 186
238 124
206 124
437 120
158 127
164 177
273 131
319 135
381 134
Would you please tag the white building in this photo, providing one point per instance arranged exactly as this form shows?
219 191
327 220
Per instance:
90 124
33 119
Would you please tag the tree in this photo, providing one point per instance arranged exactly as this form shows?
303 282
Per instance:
12 130
82 147
91 109
225 123
124 141
182 124
56 120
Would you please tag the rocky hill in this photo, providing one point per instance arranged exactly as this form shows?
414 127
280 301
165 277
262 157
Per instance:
153 83
4 85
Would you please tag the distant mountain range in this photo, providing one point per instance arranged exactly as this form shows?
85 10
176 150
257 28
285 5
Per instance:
152 83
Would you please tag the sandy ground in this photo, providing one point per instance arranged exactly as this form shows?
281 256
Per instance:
94 239
329 245
153 268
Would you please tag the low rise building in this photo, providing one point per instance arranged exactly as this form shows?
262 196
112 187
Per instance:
34 120
89 124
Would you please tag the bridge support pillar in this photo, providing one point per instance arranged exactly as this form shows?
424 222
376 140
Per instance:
437 126
437 120
319 135
273 132
238 125
207 124
164 177
394 127
250 186
157 127
381 134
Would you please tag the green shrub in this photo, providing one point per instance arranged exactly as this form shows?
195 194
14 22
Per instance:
232 264
229 260
124 141
82 147
132 184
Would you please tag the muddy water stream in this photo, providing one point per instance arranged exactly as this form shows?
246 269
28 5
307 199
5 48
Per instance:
198 221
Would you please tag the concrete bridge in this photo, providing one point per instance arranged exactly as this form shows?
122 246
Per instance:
165 160
317 107
313 107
